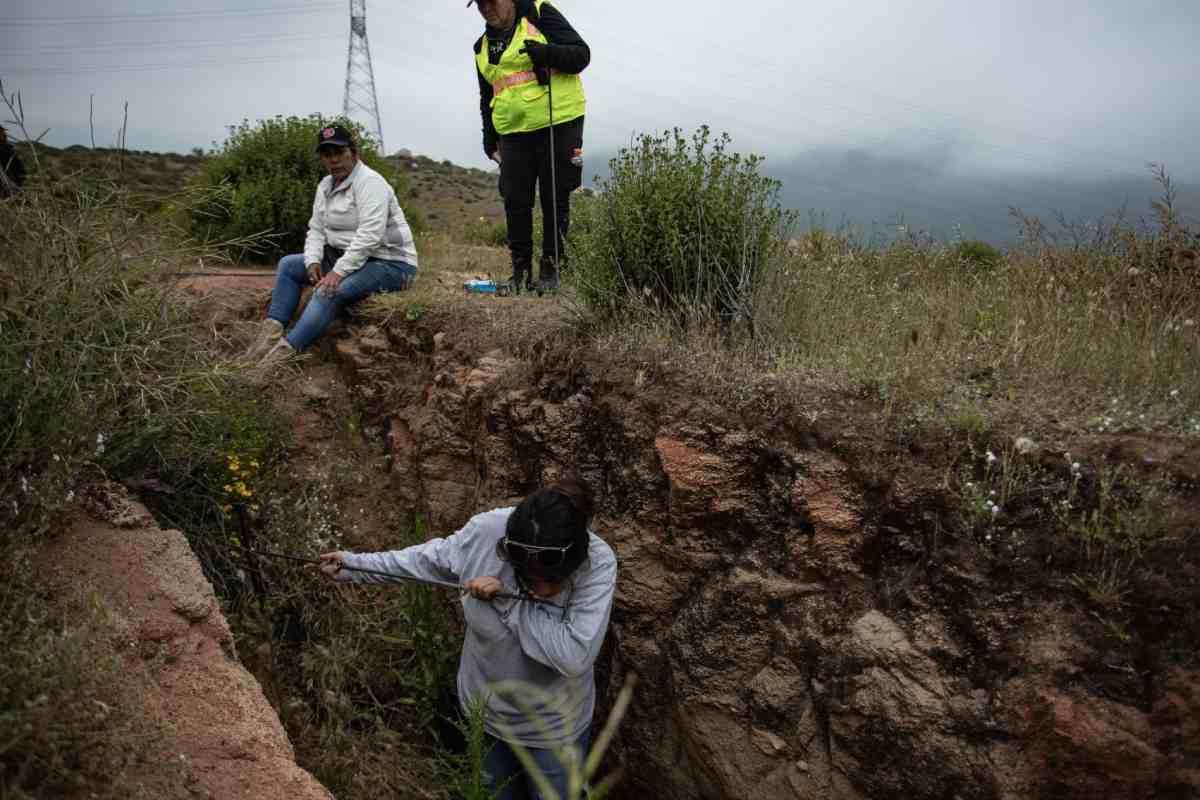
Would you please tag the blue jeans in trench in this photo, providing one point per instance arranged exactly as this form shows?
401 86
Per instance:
291 278
503 768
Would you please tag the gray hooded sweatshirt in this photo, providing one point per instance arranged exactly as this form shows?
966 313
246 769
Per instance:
552 648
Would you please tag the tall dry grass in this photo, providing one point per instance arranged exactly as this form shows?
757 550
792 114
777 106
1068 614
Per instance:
1084 330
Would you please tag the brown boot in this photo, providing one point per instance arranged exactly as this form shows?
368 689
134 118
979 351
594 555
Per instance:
269 332
281 353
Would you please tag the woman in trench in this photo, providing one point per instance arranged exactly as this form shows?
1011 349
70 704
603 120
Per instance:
544 549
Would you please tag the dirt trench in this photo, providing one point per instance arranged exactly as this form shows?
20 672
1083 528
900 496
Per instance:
796 592
804 617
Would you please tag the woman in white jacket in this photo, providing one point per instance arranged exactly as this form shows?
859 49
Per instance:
546 643
358 244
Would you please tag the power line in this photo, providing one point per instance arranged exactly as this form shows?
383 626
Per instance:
125 47
310 8
166 67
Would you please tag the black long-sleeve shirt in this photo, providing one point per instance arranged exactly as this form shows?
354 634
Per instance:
568 53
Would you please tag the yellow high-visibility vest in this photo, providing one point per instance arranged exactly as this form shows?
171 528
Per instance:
518 103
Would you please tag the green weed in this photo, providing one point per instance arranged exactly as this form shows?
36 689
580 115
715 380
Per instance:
262 179
64 730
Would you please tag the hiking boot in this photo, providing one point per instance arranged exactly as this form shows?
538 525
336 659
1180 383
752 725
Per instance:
269 332
547 275
279 354
522 275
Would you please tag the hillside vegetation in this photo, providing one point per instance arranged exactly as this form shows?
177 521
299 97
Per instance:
686 274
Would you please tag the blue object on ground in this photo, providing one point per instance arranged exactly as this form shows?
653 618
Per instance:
480 286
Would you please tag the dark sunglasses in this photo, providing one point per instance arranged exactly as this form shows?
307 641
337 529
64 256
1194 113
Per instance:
530 556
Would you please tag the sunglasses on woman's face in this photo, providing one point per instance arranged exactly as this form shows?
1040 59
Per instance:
531 556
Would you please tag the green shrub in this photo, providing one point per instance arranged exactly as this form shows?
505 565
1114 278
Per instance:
686 224
101 378
262 180
975 253
485 232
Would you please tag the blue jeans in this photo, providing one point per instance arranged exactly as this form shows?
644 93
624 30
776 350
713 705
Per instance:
503 768
291 278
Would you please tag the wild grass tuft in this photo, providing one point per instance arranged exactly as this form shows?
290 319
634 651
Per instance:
63 730
1048 327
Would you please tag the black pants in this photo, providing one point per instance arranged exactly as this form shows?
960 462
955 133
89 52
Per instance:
524 166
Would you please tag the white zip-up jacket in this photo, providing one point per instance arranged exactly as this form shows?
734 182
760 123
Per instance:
362 217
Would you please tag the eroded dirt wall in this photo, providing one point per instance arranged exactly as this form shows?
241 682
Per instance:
209 730
804 622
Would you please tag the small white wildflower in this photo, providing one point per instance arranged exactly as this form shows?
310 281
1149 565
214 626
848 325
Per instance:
992 493
71 496
57 457
991 458
24 485
1174 393
1076 467
1025 446
995 511
988 537
989 505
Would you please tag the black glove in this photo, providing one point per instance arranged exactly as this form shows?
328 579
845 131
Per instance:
538 53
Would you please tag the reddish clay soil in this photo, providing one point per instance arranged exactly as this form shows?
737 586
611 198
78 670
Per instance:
215 734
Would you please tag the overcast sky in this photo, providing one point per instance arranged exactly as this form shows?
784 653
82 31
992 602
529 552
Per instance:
873 104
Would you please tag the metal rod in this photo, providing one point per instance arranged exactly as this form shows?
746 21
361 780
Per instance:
256 578
391 575
553 171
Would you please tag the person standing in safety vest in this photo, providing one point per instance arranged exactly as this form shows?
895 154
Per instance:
527 55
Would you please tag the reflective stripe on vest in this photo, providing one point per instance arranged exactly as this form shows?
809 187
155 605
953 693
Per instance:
517 79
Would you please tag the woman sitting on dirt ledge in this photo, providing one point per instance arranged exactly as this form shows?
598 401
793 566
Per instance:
358 243
542 547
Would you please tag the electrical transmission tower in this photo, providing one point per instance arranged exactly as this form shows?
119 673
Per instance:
360 101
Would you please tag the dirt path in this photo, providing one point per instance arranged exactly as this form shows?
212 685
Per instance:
216 735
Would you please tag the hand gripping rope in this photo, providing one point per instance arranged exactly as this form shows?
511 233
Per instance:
390 575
